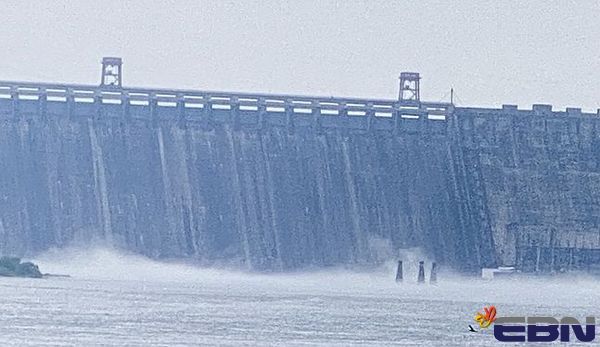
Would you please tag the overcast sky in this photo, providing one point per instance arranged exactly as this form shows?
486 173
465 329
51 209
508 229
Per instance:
491 52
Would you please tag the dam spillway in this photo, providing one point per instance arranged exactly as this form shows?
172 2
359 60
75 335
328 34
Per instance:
276 182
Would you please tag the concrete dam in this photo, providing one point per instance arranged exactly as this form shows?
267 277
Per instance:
277 182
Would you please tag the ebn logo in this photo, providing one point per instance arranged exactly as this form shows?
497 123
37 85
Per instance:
543 329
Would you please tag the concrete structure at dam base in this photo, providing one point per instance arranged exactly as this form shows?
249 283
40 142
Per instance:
277 182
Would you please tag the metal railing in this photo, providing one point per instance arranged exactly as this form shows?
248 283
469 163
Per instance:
221 100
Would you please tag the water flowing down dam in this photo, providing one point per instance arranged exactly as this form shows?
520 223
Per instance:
276 182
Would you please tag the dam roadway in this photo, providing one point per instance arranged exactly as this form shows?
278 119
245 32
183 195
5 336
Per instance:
277 182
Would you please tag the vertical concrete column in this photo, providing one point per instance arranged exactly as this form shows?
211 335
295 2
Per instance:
449 115
370 113
399 272
316 114
14 95
97 105
396 117
70 97
235 112
421 278
180 110
288 108
207 120
342 109
261 108
43 103
153 103
423 120
125 105
433 276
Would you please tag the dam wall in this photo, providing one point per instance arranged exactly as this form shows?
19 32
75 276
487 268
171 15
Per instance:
277 182
539 170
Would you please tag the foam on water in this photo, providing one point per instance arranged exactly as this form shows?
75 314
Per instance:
116 298
101 263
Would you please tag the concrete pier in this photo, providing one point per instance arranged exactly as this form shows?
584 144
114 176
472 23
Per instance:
421 277
399 272
433 276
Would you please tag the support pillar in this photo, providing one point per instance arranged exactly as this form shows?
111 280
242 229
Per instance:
421 278
433 276
399 273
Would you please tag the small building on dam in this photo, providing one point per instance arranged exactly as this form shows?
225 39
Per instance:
277 182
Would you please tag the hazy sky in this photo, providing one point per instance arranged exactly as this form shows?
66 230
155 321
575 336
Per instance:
492 52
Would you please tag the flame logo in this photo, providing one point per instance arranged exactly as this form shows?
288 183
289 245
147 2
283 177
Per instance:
486 319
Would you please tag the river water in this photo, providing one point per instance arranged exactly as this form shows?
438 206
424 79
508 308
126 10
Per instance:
124 300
